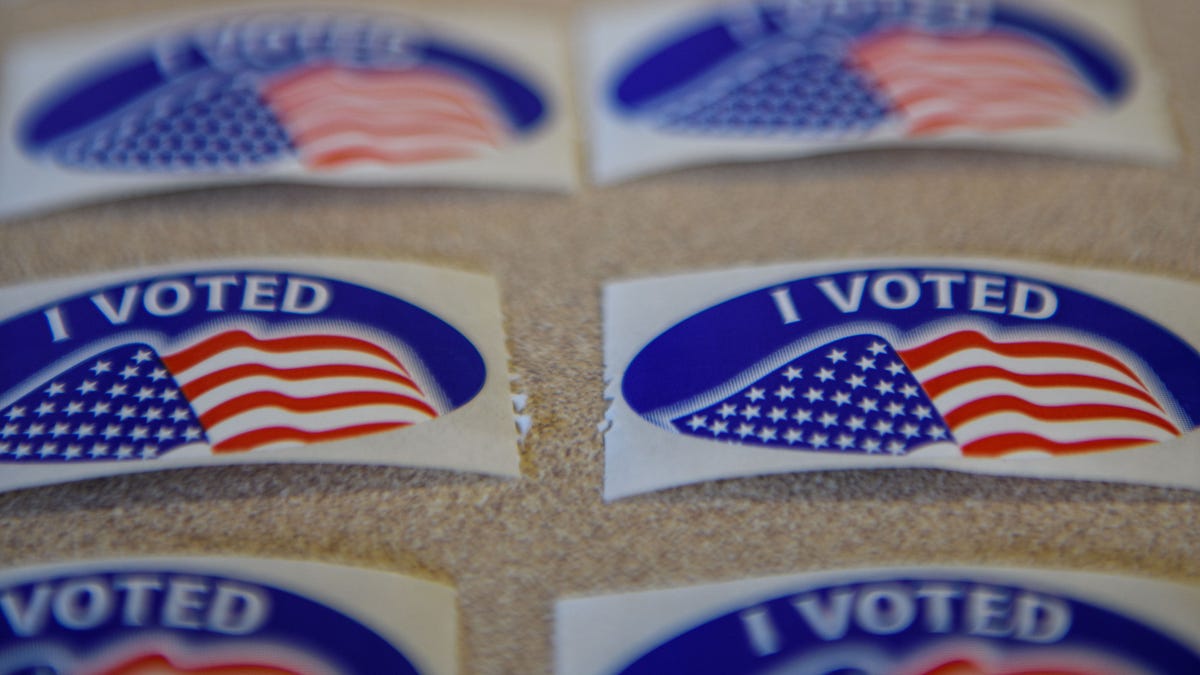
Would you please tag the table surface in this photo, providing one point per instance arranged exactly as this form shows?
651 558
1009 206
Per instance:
513 546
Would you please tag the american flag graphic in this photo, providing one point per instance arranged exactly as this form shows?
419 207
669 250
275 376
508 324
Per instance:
157 664
230 391
833 70
990 397
324 91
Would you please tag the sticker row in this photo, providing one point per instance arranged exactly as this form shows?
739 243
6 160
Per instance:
980 366
353 97
218 616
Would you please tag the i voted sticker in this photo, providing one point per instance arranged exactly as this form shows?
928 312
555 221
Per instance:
920 621
221 616
972 365
294 94
285 360
688 83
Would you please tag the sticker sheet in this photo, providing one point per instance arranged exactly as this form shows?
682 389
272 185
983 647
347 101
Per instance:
272 93
971 365
917 621
223 616
275 360
684 83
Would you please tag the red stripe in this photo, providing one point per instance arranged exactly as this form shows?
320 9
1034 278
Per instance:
357 153
326 83
1063 413
463 126
919 357
1003 444
263 399
268 435
217 378
221 342
941 384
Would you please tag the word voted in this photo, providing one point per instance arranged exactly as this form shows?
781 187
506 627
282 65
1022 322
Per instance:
935 289
136 600
932 607
217 292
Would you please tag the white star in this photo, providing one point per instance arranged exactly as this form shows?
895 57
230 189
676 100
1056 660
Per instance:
149 451
101 367
882 427
86 387
784 393
909 391
836 355
112 431
777 414
55 388
841 398
865 363
756 394
936 432
169 394
718 427
98 450
5 448
801 415
824 374
818 440
99 408
744 430
766 434
60 429
142 356
139 433
813 395
127 411
871 445
895 408
922 412
48 449
695 423
910 430
125 452
750 411
23 450
85 430
792 435
877 348
845 441
828 419
856 423
896 447
726 411
35 430
74 408
130 371
44 409
144 393
116 390
895 368
867 404
884 387
152 414
158 374
792 373
855 381
10 429
15 412
191 433
73 450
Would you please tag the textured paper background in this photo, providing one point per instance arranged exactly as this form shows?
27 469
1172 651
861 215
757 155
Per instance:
512 547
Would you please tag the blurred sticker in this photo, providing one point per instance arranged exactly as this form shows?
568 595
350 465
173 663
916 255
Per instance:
333 96
920 621
972 365
680 84
223 616
253 361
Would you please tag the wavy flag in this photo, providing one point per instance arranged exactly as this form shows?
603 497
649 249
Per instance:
249 91
230 390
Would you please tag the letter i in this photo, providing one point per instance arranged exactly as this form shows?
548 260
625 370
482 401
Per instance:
58 326
783 303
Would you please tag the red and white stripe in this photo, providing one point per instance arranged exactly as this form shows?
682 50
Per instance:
338 116
990 82
1042 396
250 392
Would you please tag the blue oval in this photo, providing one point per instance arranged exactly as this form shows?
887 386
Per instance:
737 362
128 611
335 351
724 645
